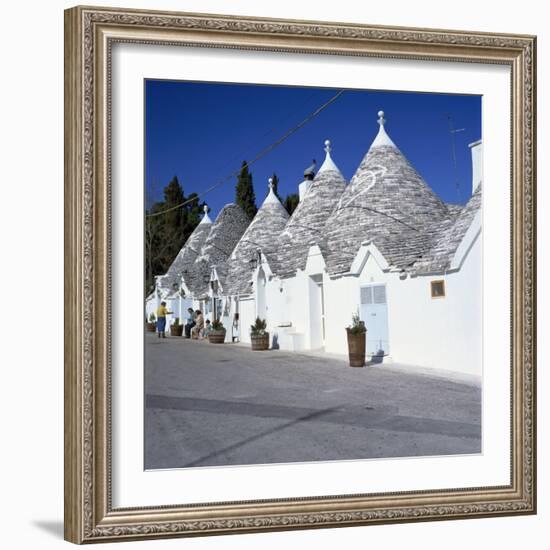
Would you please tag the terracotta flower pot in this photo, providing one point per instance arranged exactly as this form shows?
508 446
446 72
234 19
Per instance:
260 342
151 327
356 348
176 330
216 336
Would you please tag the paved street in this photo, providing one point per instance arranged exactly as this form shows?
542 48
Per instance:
212 404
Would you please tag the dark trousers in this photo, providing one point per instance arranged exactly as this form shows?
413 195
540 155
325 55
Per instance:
188 328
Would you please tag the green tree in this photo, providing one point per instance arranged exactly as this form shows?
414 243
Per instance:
275 179
167 232
244 192
291 202
174 219
194 210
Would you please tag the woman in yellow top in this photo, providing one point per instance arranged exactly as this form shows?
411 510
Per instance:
162 312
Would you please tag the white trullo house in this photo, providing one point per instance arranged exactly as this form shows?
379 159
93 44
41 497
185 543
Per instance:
168 286
384 246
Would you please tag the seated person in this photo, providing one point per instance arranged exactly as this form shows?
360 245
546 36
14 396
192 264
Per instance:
190 322
199 324
207 328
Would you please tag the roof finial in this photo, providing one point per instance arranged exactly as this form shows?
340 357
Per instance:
382 139
271 196
206 218
328 165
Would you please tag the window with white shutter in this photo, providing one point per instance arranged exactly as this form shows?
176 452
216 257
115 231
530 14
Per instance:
379 294
366 295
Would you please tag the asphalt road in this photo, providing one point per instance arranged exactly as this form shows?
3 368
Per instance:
210 404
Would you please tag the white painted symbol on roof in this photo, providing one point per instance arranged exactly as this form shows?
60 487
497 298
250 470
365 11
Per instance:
373 173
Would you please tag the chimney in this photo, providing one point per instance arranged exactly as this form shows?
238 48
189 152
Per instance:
477 163
309 174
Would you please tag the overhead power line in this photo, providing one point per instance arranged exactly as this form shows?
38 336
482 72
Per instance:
261 154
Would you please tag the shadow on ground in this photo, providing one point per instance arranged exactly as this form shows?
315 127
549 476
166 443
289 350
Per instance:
52 527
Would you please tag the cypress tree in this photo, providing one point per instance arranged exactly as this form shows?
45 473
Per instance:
291 202
275 179
173 195
244 192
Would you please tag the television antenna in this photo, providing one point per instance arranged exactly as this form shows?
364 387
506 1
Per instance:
453 131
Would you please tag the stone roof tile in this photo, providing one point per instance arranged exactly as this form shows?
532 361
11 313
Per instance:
306 226
448 237
388 203
186 257
261 235
225 233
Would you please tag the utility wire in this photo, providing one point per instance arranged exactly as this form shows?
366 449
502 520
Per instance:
261 154
251 145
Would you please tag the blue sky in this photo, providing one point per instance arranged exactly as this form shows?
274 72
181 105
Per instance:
202 132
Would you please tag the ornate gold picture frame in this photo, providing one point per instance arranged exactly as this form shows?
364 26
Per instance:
90 34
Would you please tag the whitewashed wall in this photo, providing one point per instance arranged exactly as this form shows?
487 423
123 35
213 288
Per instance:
287 304
342 301
247 316
151 306
443 333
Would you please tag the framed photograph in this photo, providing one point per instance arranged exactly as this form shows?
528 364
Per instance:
300 274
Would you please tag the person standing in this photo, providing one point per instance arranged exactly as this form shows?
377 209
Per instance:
162 312
235 334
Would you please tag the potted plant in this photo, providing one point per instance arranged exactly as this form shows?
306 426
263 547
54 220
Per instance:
217 333
357 335
259 336
152 324
176 328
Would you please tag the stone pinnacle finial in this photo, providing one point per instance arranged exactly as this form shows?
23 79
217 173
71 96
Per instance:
205 219
271 196
382 139
328 148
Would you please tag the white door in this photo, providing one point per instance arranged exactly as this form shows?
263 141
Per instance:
261 309
316 311
374 313
247 312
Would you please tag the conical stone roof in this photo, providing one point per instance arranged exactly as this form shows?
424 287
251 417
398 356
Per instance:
388 203
261 234
186 256
449 236
306 226
225 233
